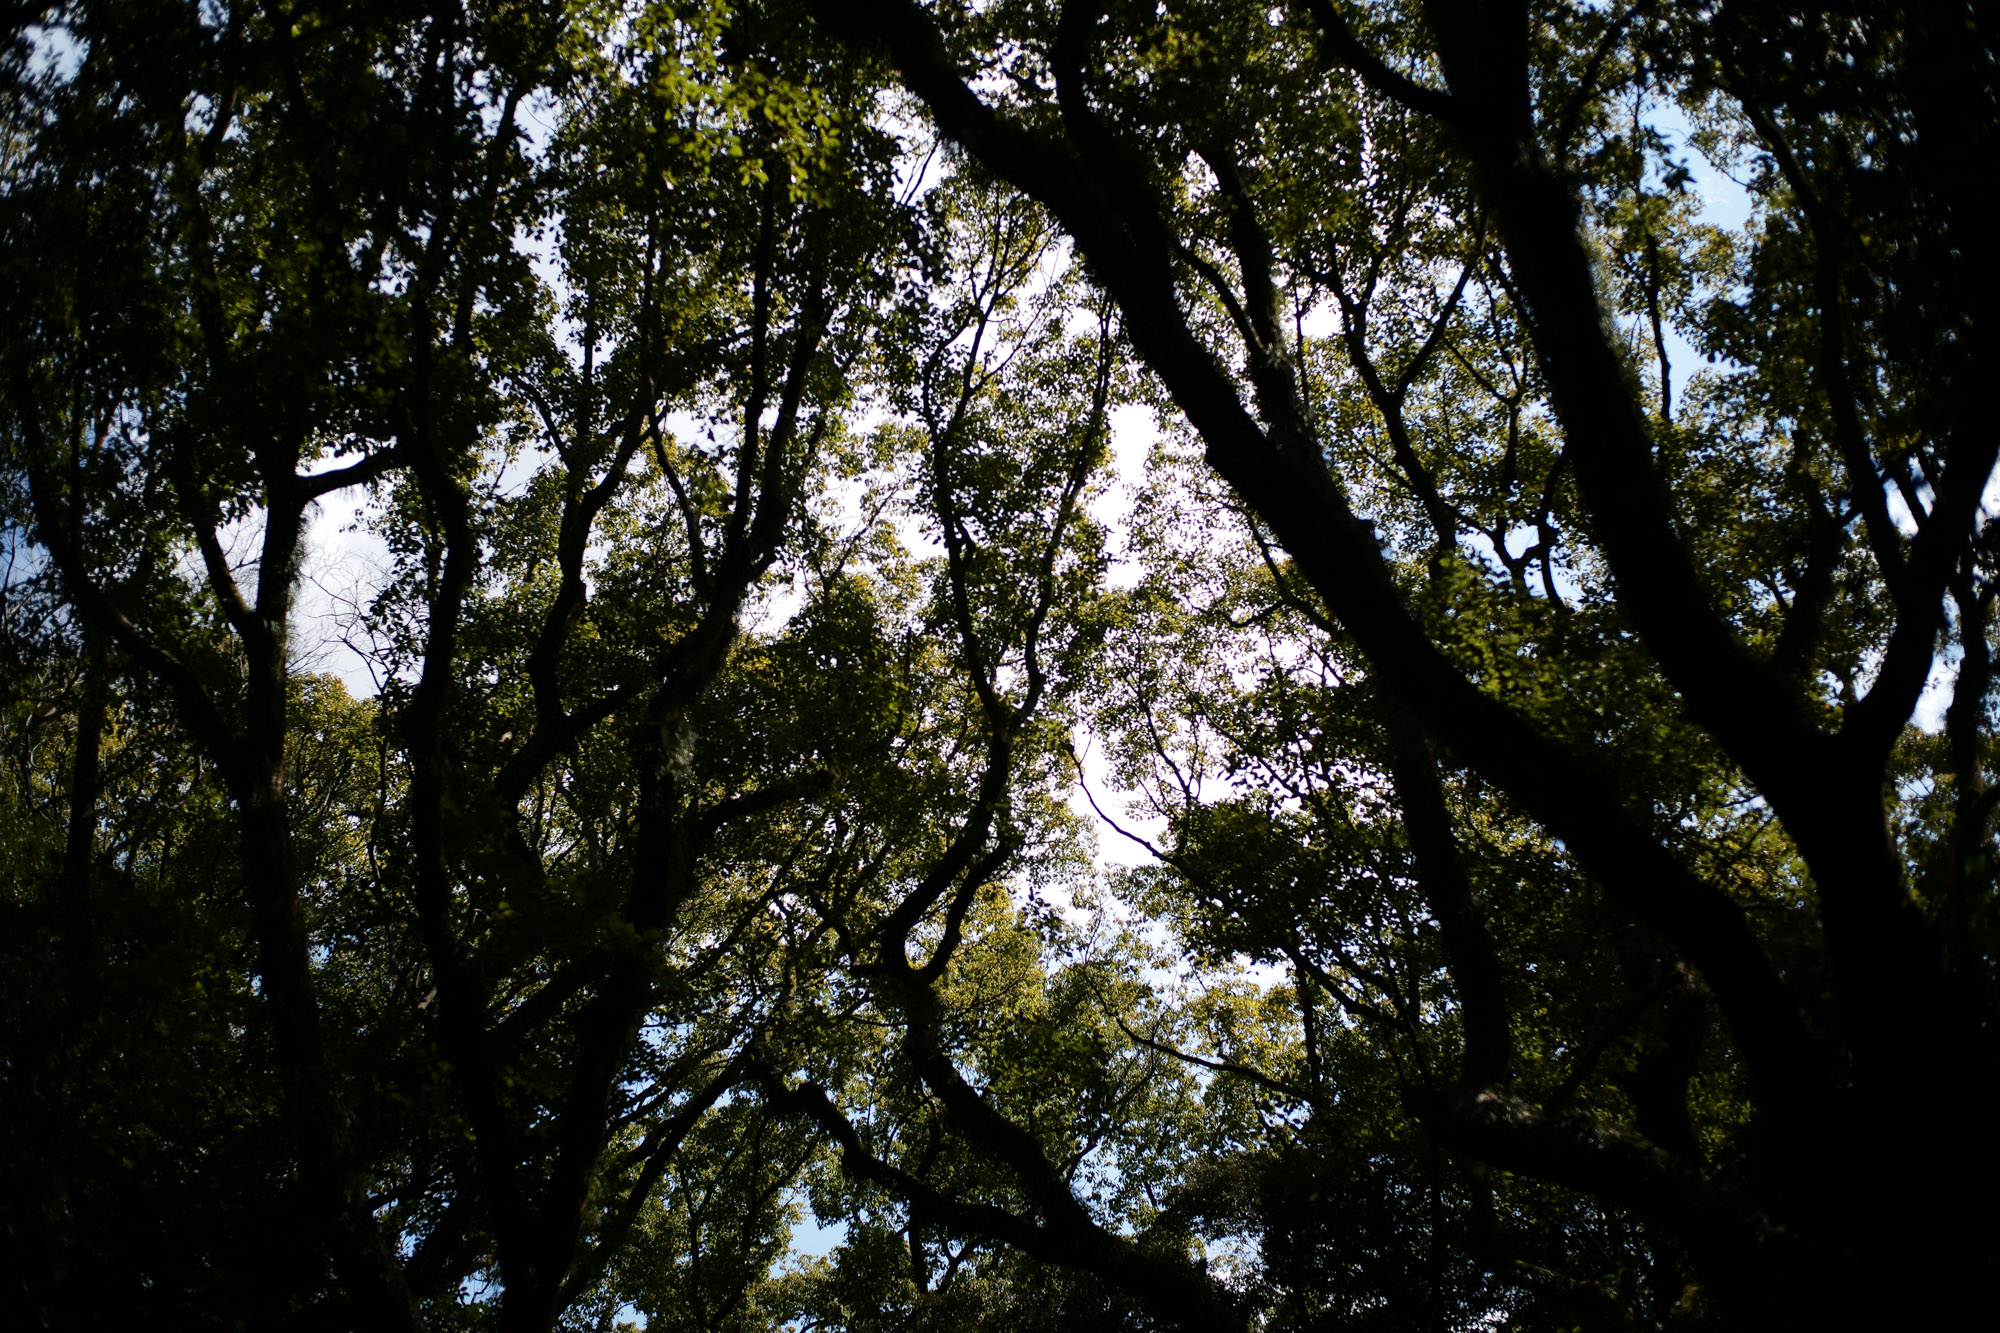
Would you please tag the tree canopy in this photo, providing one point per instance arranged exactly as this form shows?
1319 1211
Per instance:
1539 682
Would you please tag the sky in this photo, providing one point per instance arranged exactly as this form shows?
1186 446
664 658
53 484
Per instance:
346 563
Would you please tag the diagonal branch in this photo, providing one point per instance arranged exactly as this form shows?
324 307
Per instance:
1347 48
1340 557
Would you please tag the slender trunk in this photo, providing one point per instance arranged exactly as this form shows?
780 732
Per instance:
336 1186
81 842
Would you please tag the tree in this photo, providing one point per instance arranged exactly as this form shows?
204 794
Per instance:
514 986
216 298
1759 573
230 315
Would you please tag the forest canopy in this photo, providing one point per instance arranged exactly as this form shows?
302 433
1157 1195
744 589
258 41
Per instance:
886 665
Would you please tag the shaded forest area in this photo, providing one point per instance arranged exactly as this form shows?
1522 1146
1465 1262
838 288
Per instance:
1542 673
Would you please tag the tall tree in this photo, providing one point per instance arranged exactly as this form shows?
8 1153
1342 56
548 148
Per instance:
252 254
227 314
1486 197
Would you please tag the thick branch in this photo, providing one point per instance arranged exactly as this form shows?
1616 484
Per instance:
1340 557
